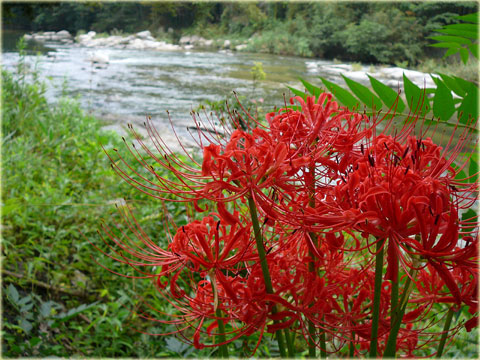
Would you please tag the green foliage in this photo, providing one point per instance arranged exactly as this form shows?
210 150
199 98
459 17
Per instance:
257 72
242 17
353 31
384 36
278 39
364 94
441 100
459 38
438 101
57 186
341 94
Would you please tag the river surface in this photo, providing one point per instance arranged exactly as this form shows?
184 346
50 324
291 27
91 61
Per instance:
136 83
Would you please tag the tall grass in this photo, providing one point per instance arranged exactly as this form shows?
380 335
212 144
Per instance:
57 185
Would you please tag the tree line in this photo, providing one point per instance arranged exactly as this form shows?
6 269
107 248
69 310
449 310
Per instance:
376 32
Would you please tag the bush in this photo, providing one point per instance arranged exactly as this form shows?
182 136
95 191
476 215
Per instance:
386 36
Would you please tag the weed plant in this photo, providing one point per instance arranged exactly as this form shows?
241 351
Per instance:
57 186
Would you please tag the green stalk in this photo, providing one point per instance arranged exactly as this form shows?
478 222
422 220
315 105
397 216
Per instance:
265 271
311 327
352 346
311 266
311 342
291 350
391 346
393 300
323 346
446 327
376 298
221 329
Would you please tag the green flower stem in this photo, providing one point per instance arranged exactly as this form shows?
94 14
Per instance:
291 350
221 329
393 300
351 352
323 346
391 346
311 327
265 271
446 327
376 298
311 342
311 266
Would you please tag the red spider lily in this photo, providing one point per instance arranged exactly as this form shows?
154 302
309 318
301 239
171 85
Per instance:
320 126
209 244
247 164
322 132
325 184
431 288
404 196
197 310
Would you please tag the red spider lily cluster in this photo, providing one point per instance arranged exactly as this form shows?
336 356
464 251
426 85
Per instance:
291 216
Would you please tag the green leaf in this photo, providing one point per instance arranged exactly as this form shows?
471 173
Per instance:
297 92
13 294
341 94
364 94
466 85
443 105
473 167
46 309
386 94
464 55
415 97
453 85
175 345
35 341
312 89
11 205
464 27
450 52
450 39
474 49
458 32
469 214
65 316
447 45
473 18
468 107
26 325
25 303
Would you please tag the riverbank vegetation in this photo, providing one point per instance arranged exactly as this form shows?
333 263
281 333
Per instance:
367 32
57 185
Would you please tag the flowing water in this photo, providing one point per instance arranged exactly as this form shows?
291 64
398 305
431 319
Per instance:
136 83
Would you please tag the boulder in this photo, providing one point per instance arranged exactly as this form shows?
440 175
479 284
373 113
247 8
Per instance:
226 44
185 40
144 34
63 34
136 44
98 57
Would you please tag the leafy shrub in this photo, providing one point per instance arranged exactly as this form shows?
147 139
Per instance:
57 185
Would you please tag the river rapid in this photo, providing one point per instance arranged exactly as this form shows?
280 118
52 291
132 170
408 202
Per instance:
130 84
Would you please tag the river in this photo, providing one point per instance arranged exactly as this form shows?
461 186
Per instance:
135 83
